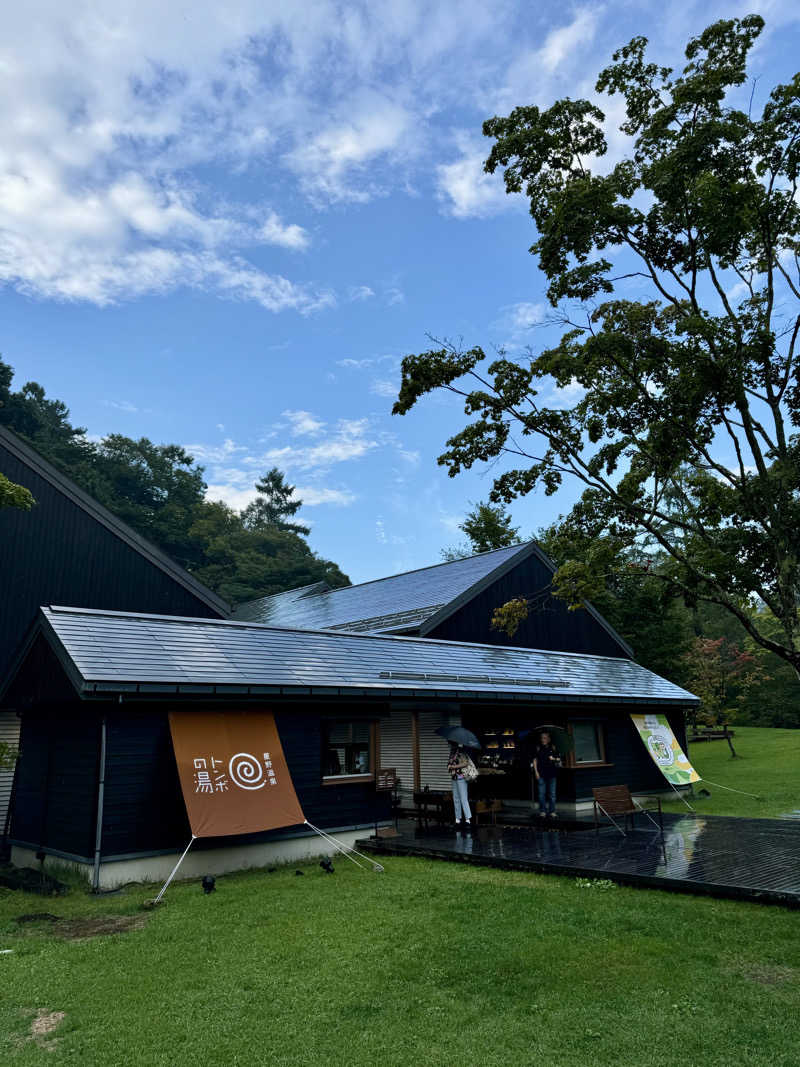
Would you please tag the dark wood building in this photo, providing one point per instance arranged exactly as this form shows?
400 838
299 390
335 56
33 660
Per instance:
94 689
70 550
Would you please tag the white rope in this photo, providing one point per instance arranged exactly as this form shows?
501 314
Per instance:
174 870
680 796
345 849
731 789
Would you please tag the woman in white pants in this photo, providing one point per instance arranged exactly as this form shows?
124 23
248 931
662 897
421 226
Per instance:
455 766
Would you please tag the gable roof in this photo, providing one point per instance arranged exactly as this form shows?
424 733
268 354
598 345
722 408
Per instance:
40 466
106 652
415 600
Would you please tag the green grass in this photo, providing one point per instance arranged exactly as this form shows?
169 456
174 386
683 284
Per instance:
429 963
767 765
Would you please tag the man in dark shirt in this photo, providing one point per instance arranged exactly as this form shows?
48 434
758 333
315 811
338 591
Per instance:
545 766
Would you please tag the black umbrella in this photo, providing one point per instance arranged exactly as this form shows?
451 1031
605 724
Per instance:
561 738
458 735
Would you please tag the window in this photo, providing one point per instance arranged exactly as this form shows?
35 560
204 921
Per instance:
347 750
588 740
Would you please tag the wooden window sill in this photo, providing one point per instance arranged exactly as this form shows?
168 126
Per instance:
582 766
349 779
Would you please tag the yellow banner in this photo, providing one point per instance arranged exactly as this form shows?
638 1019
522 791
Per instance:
663 746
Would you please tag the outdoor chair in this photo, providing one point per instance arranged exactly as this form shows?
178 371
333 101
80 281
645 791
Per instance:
616 800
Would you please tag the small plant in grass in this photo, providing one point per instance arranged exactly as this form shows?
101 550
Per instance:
595 883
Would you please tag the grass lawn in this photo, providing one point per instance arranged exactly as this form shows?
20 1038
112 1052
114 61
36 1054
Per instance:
768 765
429 963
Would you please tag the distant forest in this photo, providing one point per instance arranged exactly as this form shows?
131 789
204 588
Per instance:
159 490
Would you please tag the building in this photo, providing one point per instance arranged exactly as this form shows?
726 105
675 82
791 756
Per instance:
97 783
360 679
71 550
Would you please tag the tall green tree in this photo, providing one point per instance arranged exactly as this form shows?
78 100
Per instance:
487 527
689 383
242 563
275 505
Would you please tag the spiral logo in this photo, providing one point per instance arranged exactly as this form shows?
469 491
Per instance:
246 771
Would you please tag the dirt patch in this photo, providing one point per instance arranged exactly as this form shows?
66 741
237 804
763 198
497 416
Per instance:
44 1025
767 974
82 929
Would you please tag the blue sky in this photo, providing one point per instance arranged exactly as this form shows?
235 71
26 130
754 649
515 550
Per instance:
225 225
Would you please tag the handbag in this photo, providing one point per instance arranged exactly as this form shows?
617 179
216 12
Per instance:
470 771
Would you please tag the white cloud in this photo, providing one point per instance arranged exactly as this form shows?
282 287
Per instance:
562 43
464 189
565 396
275 232
385 387
516 322
312 496
360 292
355 364
394 296
303 422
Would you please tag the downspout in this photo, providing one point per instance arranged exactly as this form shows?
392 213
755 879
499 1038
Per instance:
101 787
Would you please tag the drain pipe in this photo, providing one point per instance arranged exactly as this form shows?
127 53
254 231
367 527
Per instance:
101 787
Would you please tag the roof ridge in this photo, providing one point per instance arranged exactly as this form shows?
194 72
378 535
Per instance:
417 570
249 625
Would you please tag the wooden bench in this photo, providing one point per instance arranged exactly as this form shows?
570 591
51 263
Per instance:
616 800
713 733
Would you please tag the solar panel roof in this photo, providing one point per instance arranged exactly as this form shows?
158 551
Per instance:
399 602
118 652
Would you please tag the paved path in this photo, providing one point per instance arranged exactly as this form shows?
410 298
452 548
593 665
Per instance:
754 859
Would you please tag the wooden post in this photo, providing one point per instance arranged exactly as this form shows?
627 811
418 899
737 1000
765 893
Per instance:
415 750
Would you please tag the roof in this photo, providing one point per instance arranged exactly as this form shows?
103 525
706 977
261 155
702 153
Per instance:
417 600
31 458
115 652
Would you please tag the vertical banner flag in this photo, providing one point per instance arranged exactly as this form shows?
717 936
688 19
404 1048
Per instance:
233 772
663 746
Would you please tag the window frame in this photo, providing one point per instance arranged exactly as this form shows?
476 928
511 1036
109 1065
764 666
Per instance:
600 734
350 779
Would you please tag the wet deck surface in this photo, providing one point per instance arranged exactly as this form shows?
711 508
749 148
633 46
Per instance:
753 859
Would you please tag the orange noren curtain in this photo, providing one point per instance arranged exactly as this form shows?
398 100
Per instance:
233 772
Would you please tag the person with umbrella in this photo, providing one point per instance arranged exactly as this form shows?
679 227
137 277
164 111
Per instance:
545 766
461 769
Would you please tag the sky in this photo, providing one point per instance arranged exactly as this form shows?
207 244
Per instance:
225 225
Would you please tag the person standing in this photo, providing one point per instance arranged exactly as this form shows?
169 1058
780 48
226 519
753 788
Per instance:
457 764
545 766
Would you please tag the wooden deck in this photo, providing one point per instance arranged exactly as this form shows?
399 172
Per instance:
746 859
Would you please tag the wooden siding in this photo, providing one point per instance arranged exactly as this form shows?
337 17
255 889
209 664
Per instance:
550 626
144 810
56 793
59 554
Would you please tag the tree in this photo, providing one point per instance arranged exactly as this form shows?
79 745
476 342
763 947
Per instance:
274 505
14 496
157 489
160 492
487 526
721 674
242 564
685 435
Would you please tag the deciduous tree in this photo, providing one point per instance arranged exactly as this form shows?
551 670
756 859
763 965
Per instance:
676 273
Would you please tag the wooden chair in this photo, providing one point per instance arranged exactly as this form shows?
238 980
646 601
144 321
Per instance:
616 800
